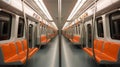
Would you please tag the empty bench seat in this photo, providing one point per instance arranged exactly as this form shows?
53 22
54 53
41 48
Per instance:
44 39
22 49
110 52
75 39
105 52
15 52
98 44
31 50
10 54
52 35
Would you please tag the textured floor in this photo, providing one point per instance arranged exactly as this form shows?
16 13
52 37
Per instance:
73 56
48 56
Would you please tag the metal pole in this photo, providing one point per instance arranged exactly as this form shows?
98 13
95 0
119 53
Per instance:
41 28
26 30
59 20
93 27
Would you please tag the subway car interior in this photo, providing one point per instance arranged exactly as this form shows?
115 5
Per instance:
59 33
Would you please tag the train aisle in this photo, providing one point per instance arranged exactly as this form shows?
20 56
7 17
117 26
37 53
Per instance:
47 56
73 56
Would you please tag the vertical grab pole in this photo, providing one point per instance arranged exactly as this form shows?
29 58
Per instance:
26 30
40 34
59 20
93 29
82 42
46 33
74 30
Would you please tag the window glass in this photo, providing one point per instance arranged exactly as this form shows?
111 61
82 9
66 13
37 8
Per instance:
89 35
100 27
44 30
21 27
76 29
89 30
115 25
5 25
79 28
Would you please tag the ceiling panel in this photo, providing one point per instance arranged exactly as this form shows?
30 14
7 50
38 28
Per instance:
67 6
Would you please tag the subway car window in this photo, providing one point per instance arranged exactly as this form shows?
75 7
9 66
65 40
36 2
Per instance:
89 29
5 25
79 29
115 25
100 27
20 27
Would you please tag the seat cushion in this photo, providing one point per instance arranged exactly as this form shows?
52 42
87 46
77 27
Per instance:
104 57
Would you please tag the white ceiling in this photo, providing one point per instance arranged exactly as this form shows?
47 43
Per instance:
67 6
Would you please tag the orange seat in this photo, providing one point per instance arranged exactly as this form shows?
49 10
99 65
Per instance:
22 49
15 54
98 44
110 52
98 47
44 39
95 43
107 51
52 35
10 54
14 50
103 57
88 50
112 49
75 39
31 50
21 52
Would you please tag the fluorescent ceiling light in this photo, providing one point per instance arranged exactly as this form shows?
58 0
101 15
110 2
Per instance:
43 8
53 23
65 25
79 19
76 8
73 23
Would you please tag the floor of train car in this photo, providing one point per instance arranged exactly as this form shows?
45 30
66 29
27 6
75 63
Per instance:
71 56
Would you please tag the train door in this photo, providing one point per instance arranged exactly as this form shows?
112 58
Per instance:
41 31
30 35
89 34
84 35
35 34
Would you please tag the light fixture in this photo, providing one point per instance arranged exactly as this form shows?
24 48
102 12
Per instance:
79 19
53 23
43 8
76 8
65 25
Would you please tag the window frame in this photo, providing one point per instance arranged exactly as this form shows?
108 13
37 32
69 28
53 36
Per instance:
23 28
109 21
79 28
10 23
102 27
